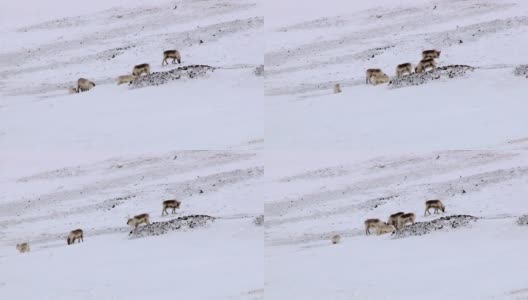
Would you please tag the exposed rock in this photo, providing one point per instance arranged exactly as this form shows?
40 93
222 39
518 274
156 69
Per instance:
157 228
157 78
443 223
521 70
259 70
445 72
523 220
259 220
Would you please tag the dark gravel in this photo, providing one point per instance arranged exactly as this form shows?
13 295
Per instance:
523 220
521 70
157 78
443 223
445 72
181 223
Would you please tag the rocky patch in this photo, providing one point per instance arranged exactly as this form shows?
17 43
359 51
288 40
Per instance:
443 223
445 72
180 223
157 78
259 220
521 70
523 220
259 70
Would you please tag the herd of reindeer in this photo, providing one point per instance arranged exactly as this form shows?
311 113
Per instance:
78 234
377 76
84 84
396 221
373 76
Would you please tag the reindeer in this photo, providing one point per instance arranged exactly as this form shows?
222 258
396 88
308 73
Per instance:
125 79
372 72
430 54
394 219
139 219
73 90
384 228
379 78
337 88
406 218
436 204
23 248
336 239
424 64
371 223
140 69
76 234
174 204
84 85
174 54
403 68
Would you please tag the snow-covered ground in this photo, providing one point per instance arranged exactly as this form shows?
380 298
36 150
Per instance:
89 160
306 58
484 261
235 145
335 160
42 208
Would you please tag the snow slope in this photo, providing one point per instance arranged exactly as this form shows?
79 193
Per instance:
89 160
41 61
335 160
484 261
336 45
44 207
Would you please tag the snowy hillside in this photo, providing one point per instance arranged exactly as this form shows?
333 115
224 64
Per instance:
482 261
337 43
41 61
92 159
268 162
335 160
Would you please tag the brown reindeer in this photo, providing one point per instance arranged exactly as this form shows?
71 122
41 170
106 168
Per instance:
371 223
74 235
424 64
125 79
336 239
406 218
436 204
140 69
23 248
84 84
403 68
379 78
384 228
174 54
430 54
174 204
394 219
337 88
139 219
371 72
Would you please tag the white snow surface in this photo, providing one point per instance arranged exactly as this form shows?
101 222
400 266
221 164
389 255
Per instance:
91 159
339 41
236 146
335 160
